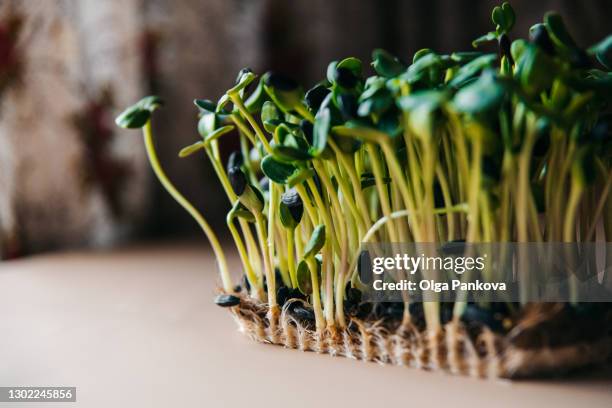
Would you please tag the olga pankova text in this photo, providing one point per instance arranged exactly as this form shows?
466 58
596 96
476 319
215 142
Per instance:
431 285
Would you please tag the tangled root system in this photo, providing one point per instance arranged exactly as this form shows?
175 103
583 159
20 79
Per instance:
452 348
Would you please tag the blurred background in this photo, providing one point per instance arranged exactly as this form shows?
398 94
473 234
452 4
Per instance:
69 178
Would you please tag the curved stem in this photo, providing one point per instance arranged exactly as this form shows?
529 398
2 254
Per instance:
235 98
183 202
222 175
346 192
357 193
256 286
243 128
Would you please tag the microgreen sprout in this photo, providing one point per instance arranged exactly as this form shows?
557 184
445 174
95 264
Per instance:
468 146
139 116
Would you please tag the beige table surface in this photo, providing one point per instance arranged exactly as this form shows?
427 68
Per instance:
137 328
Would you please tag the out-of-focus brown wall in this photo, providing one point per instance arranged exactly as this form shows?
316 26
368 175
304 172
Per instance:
68 176
181 50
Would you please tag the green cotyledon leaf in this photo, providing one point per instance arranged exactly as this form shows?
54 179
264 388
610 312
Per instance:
276 170
317 240
137 115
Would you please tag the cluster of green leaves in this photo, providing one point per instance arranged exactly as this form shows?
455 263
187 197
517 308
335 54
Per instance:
512 145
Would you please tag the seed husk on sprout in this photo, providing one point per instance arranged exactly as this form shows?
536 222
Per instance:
227 300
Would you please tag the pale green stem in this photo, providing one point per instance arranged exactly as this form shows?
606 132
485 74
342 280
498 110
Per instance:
299 243
523 194
182 201
474 187
450 218
399 214
256 285
357 192
235 98
415 169
323 208
291 257
243 128
569 226
381 189
222 176
316 296
346 191
329 284
398 177
339 275
560 183
310 210
272 211
280 248
331 192
268 267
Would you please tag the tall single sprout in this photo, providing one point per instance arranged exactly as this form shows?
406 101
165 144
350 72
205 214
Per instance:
139 116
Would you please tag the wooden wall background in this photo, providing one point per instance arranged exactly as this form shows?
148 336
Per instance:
88 58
